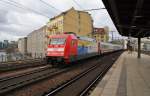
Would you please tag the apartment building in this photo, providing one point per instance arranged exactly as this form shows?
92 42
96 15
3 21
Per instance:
72 20
101 34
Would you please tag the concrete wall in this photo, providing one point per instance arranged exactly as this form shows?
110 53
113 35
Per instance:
22 45
36 42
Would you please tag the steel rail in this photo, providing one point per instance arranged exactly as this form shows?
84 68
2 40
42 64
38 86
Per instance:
12 83
23 74
85 91
71 81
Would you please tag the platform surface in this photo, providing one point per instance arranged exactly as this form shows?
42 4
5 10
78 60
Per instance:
129 76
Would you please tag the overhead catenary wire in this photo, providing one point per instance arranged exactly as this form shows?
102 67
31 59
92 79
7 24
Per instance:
23 9
20 8
77 4
29 9
50 5
59 10
18 5
94 9
26 8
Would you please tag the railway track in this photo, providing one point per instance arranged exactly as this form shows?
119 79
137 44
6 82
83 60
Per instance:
10 83
11 66
5 78
81 84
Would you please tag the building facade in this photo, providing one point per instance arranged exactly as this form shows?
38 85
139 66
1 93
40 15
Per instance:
6 43
36 42
22 45
101 34
1 45
72 20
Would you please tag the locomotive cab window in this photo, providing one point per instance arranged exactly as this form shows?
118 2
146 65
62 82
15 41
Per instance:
57 41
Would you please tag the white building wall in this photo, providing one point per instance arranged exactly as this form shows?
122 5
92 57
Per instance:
22 45
36 42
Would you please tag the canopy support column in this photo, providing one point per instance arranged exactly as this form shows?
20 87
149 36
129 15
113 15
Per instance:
139 47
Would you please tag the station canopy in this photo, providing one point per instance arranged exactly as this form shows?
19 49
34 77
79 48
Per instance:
131 17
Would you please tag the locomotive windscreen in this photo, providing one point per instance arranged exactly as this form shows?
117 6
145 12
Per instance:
57 41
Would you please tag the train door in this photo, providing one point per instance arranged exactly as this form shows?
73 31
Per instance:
74 47
73 50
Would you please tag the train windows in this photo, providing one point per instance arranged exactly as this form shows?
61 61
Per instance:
57 41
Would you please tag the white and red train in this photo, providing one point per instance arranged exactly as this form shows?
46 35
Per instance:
66 48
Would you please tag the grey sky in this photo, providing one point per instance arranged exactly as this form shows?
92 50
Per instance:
18 20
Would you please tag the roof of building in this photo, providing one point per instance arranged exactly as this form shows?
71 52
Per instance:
39 29
63 13
99 31
131 17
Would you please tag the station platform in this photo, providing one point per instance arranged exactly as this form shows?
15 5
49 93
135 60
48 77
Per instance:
129 76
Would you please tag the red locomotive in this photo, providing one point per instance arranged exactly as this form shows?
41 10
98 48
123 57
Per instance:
66 48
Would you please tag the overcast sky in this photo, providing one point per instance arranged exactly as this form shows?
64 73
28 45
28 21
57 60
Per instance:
20 17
